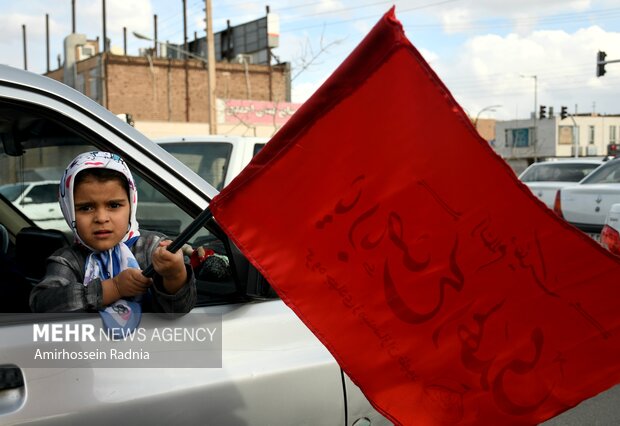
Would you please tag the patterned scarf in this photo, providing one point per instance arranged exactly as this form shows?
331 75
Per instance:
123 315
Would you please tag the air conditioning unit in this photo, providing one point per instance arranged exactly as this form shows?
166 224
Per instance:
85 52
581 151
242 58
592 150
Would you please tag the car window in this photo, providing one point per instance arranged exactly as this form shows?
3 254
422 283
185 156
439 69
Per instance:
607 173
33 170
258 147
45 193
12 191
208 160
557 172
43 161
155 211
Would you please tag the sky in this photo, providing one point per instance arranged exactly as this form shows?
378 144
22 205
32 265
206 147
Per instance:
499 58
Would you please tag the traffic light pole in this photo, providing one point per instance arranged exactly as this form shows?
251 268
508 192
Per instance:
601 62
535 136
575 133
575 136
564 114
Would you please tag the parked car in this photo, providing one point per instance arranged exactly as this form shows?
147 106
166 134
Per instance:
587 203
38 201
273 369
546 177
610 234
217 159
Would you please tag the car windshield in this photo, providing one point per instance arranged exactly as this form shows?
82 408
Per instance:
558 172
608 173
209 160
12 191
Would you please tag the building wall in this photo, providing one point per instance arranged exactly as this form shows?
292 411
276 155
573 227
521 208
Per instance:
486 128
555 136
174 90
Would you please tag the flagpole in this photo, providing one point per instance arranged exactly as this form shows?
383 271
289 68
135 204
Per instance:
184 237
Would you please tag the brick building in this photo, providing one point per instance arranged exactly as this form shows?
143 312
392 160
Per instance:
170 96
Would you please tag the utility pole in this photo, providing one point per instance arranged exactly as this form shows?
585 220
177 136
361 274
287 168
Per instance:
125 41
72 16
25 50
105 34
155 46
535 138
186 60
211 68
535 77
47 40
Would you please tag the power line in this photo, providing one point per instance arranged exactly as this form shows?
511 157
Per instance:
601 14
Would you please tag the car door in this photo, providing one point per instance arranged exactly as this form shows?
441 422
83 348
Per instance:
273 370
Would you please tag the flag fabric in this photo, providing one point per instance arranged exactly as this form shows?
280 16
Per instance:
441 285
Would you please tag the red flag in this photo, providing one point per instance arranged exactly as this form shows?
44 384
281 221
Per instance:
441 285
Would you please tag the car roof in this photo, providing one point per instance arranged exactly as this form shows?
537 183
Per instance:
210 139
569 161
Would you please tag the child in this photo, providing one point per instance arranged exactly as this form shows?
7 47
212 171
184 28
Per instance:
101 271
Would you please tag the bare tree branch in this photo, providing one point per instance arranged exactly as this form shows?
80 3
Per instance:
309 57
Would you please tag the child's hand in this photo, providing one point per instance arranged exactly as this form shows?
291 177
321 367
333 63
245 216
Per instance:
131 282
170 266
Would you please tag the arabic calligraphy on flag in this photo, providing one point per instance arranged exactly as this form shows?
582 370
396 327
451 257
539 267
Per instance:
441 285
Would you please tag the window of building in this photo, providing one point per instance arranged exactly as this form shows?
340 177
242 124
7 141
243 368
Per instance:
591 135
612 134
518 138
566 135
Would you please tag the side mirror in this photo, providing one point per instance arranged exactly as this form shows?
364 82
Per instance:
27 200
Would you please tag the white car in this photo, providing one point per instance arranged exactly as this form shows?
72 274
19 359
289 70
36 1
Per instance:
586 204
37 200
546 177
610 234
217 159
272 369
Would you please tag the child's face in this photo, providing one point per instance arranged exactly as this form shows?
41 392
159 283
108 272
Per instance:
101 212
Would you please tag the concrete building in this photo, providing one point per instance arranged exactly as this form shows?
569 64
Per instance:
582 135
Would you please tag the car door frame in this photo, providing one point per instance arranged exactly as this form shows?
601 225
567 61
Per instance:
259 338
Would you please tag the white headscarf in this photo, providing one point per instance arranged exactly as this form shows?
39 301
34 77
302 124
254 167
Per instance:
92 160
123 314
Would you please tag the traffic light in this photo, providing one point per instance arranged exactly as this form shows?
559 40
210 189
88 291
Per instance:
563 112
600 63
543 112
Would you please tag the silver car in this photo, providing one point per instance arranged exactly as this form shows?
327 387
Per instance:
272 370
586 204
546 177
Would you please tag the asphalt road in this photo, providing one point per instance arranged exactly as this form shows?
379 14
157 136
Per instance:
601 410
